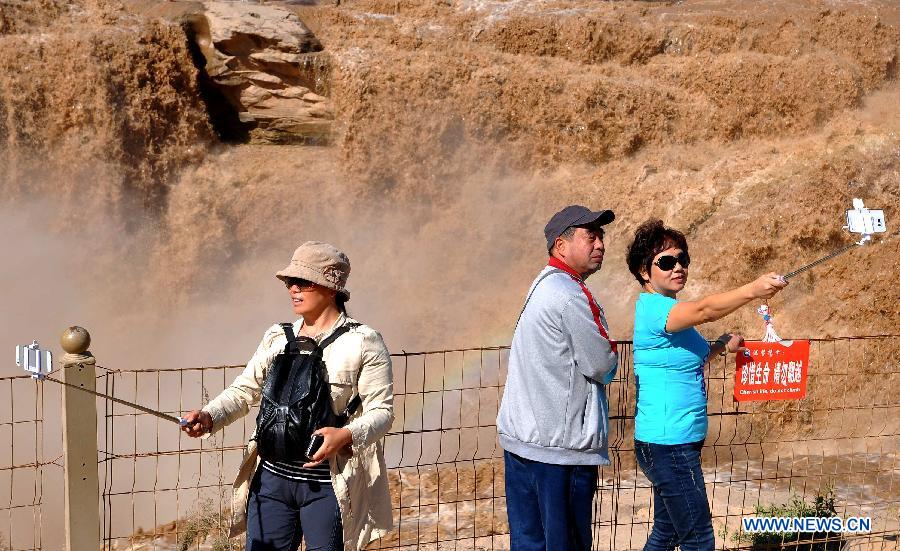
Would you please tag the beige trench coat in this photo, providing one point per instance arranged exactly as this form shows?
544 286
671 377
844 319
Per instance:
357 361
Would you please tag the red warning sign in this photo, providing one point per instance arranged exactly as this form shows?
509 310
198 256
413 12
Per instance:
772 371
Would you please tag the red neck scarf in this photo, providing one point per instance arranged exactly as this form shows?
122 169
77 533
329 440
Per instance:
595 310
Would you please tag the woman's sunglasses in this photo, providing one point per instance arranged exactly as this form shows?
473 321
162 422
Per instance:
667 261
302 284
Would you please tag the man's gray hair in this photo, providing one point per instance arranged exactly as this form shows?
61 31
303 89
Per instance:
569 233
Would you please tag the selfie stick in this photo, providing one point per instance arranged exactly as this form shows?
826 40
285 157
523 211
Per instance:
838 252
859 220
37 362
161 415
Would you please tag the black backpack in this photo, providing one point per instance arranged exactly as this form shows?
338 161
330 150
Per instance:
296 398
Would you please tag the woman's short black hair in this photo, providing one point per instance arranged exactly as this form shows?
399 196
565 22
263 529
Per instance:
340 300
651 238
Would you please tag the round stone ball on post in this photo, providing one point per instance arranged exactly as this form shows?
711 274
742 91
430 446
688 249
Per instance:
75 340
79 420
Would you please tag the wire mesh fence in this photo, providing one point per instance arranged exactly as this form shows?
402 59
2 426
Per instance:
163 490
30 464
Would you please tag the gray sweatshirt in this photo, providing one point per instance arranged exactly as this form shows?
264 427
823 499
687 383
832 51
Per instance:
554 407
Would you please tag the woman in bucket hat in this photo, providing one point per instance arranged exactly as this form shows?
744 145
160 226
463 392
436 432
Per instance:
338 499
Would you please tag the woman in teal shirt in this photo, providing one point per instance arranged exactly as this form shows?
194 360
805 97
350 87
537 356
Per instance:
669 357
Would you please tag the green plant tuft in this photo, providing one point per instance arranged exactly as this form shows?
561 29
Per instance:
210 525
822 506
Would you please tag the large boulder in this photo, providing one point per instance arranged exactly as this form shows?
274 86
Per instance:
268 65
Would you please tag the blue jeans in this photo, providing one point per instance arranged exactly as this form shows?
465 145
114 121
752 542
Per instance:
680 509
548 506
281 512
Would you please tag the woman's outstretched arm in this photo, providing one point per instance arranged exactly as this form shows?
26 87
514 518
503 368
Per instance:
696 312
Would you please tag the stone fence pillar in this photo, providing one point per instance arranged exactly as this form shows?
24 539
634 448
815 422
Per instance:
80 443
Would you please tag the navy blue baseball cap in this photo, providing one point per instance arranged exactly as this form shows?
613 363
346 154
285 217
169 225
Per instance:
575 215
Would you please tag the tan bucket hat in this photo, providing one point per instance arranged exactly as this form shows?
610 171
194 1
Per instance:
320 263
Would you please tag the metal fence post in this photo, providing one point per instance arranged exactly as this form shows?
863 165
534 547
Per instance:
80 443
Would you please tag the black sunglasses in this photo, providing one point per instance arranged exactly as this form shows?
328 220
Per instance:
302 284
667 262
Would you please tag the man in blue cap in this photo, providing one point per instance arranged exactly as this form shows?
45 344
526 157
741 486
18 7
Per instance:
554 418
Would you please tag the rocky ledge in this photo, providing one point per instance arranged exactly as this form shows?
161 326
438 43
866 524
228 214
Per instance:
268 66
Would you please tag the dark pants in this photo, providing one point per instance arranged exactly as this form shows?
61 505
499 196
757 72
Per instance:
548 506
680 509
281 512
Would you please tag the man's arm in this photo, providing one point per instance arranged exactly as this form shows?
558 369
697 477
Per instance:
593 354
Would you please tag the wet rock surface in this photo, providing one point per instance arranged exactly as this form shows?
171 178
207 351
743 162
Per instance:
263 61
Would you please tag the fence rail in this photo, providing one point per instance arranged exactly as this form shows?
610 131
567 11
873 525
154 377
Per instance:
162 490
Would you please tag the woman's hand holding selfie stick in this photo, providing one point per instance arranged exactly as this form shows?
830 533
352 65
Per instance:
197 423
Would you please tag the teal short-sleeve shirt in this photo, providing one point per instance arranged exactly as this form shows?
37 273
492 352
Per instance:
668 368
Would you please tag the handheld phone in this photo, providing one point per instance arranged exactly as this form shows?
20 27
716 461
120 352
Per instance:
314 444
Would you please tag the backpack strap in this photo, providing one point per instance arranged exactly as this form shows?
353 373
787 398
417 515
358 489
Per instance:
337 333
291 338
356 401
288 329
533 289
351 408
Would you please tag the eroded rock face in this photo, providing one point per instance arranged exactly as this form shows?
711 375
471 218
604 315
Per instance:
265 61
